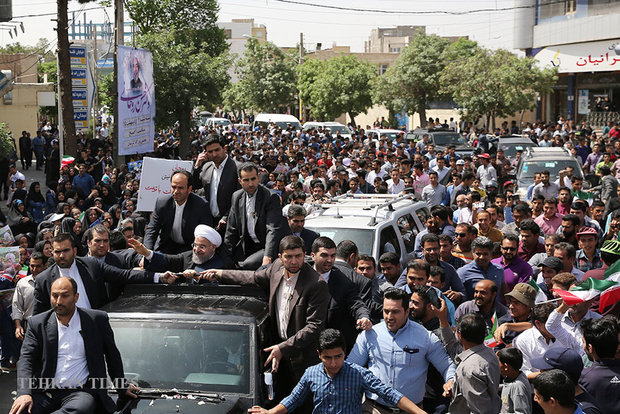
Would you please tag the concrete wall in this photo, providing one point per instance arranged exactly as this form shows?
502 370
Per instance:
22 114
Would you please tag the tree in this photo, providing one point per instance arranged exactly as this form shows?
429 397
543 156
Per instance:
64 79
496 83
339 85
413 81
267 78
190 57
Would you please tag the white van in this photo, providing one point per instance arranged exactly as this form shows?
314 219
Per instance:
218 122
334 128
281 120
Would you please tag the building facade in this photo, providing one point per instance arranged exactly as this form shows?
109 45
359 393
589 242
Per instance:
238 31
582 39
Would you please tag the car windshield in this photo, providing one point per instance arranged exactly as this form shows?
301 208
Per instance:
364 239
510 150
284 125
390 135
449 139
554 167
338 128
205 357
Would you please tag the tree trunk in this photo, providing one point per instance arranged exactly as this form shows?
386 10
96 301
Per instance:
422 113
352 116
493 120
64 80
183 115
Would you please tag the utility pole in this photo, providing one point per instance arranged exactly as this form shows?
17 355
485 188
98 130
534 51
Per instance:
301 57
65 103
119 40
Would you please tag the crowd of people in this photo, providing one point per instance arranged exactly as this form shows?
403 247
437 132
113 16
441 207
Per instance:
474 324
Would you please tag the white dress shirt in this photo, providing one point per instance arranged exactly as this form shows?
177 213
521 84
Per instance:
74 273
533 345
71 366
250 212
284 296
215 182
177 224
325 276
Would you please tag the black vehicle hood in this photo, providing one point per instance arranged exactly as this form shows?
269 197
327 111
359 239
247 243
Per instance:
183 406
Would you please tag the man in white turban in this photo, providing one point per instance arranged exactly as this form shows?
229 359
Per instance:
202 256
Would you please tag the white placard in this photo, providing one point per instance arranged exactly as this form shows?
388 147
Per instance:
155 182
136 103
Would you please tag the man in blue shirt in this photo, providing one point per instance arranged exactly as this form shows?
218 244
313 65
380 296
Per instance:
398 351
337 386
481 268
84 182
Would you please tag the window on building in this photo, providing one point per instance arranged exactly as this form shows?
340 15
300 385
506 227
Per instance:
395 49
554 8
228 33
598 7
382 68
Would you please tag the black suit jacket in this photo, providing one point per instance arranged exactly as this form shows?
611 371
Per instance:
308 310
345 306
229 183
364 288
195 212
308 236
94 275
269 227
39 354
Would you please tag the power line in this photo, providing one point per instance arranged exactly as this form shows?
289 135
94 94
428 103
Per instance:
54 13
421 12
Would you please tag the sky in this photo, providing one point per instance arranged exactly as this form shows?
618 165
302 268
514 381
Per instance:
285 19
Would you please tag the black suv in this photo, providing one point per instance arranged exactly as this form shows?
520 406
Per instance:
192 348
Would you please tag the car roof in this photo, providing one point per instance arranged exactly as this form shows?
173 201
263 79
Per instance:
517 138
380 130
535 152
352 212
239 303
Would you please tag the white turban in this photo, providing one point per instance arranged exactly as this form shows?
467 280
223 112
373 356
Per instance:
209 233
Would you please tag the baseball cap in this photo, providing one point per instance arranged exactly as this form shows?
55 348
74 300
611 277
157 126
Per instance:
565 359
507 183
587 231
460 162
485 155
524 293
553 263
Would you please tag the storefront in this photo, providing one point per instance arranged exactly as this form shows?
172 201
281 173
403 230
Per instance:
588 86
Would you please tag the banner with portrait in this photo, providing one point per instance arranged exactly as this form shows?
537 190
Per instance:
136 101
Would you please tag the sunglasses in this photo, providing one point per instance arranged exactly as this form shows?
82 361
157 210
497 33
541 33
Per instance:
460 234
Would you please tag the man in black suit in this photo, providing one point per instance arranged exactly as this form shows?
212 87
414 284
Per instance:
255 223
296 220
218 178
346 310
171 229
68 345
298 300
90 275
202 257
347 255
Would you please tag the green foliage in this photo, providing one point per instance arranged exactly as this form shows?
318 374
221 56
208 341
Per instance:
105 91
6 141
339 85
267 79
413 81
496 83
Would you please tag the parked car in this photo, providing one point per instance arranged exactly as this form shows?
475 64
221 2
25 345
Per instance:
442 138
283 121
218 122
334 128
192 348
376 223
538 159
373 135
510 145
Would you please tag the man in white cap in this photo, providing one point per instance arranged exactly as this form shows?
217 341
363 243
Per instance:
200 258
